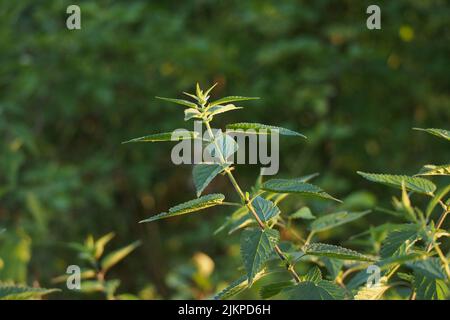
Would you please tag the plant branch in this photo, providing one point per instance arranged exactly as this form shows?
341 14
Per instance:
249 205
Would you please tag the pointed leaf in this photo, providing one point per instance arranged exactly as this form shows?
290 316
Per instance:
398 241
101 243
201 203
191 113
179 101
265 209
166 136
415 184
256 247
16 292
116 256
372 293
303 213
259 128
231 99
237 286
204 173
313 275
441 133
333 220
273 289
322 290
433 170
226 146
331 251
295 186
212 111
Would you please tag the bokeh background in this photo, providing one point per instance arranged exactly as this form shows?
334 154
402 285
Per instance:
69 98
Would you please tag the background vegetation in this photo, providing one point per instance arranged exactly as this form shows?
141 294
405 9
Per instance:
69 98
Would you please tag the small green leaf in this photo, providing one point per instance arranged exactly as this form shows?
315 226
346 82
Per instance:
16 292
192 113
313 275
212 111
295 186
331 251
237 286
433 170
201 203
441 133
259 128
116 256
231 99
303 213
273 289
224 145
322 290
333 220
256 247
204 173
101 243
265 209
179 101
375 292
400 240
415 184
429 280
166 136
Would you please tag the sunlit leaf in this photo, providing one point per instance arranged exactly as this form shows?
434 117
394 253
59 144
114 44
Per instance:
259 128
415 184
201 203
256 247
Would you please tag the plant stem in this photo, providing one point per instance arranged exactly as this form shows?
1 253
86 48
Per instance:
249 205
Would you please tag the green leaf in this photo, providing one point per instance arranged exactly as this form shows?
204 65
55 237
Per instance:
441 133
15 292
333 266
265 209
333 220
101 243
166 136
259 128
419 185
231 99
303 213
275 288
212 111
429 280
204 173
295 186
224 145
331 251
201 203
430 268
179 101
322 290
192 113
398 241
256 247
237 286
375 292
313 275
116 256
430 288
433 170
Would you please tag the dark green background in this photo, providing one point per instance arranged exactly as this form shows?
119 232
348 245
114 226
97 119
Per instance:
69 98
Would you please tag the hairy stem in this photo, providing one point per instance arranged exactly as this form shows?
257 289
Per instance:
249 205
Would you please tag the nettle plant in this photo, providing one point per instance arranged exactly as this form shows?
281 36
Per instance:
96 264
411 255
258 216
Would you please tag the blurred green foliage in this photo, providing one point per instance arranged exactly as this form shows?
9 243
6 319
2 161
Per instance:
68 98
